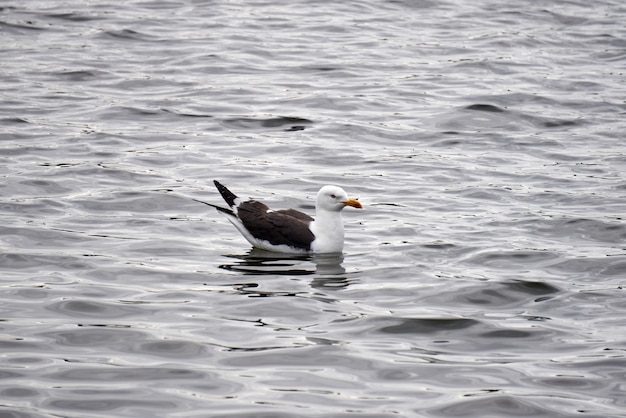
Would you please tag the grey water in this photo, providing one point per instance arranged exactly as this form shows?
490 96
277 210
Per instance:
483 278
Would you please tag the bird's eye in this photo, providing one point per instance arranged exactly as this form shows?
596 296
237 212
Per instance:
333 196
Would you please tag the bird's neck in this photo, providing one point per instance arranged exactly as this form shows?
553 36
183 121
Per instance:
328 230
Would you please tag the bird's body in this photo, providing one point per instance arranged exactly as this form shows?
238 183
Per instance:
290 231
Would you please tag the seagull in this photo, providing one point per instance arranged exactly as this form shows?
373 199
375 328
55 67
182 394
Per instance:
289 230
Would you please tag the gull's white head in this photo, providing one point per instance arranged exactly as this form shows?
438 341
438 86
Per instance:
333 199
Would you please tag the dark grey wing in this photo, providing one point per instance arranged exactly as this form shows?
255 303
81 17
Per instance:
296 214
293 230
278 228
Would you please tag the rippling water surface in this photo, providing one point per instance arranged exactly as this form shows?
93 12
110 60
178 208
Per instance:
484 278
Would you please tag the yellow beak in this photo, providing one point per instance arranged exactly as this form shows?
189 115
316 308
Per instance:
354 203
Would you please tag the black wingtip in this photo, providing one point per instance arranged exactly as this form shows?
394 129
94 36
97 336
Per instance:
228 196
219 208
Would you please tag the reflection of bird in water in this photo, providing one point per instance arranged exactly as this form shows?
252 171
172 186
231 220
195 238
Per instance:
290 231
327 268
259 262
329 264
330 273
